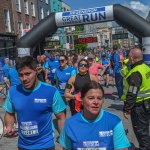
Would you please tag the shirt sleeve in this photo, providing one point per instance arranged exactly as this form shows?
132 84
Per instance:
55 76
64 140
45 65
8 106
120 139
99 66
58 103
73 73
134 81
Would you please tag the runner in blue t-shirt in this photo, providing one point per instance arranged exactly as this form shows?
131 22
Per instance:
13 77
33 102
106 63
53 64
63 74
93 128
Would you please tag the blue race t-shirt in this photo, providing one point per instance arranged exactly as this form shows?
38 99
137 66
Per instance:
106 133
62 76
34 113
53 65
106 62
6 70
13 77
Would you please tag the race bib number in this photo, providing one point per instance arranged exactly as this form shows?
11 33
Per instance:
29 129
62 86
91 145
91 149
54 70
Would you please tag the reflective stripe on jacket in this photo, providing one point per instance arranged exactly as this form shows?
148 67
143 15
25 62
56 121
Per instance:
144 91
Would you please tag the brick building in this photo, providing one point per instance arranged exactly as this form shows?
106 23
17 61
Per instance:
24 15
7 35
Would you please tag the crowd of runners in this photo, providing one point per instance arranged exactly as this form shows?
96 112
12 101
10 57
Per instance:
50 82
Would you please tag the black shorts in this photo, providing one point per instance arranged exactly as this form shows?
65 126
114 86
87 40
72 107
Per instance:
50 148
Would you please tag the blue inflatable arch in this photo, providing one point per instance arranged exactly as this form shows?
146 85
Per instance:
122 15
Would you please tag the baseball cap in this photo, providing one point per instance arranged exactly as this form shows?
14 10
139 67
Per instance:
47 55
90 56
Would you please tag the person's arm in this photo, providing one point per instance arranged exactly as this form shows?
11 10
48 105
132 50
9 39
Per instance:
46 75
9 120
61 120
9 117
134 82
64 140
120 139
58 108
69 89
94 78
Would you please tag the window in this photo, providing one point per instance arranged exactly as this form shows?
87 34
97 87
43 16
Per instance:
47 12
46 1
7 20
27 26
18 6
32 9
41 12
26 9
20 28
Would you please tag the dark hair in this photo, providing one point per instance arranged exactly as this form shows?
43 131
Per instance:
83 60
27 61
75 58
66 58
91 85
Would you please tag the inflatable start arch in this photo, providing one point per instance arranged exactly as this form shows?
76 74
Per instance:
122 15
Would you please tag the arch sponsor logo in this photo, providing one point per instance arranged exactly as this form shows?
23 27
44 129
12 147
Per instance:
84 16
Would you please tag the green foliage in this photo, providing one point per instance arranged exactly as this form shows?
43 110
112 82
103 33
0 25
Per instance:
118 45
82 47
78 30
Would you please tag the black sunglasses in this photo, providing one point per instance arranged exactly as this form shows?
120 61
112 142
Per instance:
61 60
83 65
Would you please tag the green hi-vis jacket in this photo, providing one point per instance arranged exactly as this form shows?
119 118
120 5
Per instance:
144 91
124 71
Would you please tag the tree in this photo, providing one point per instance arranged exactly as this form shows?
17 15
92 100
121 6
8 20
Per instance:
82 47
79 30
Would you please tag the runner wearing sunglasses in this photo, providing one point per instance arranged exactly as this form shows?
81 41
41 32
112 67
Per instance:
75 84
63 74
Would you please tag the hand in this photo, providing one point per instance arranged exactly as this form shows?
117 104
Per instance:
10 132
126 115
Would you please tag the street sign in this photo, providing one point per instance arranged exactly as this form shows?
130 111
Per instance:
120 36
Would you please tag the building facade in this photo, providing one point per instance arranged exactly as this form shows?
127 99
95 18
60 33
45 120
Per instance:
43 8
7 34
68 31
56 6
25 15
